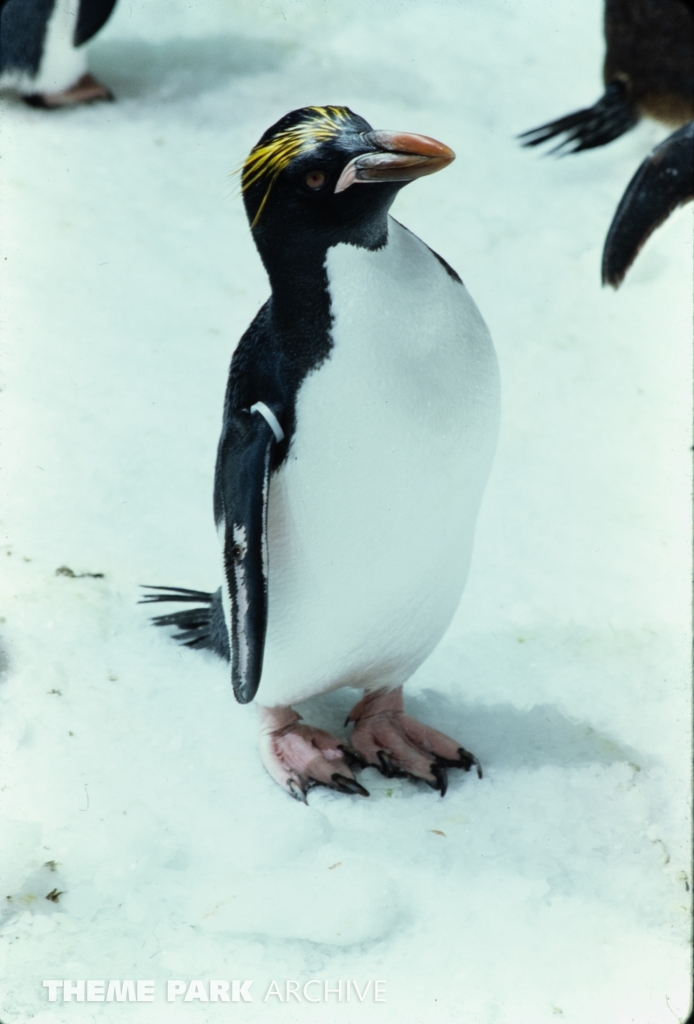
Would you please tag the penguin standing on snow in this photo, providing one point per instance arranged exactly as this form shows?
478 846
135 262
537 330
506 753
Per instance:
42 52
359 425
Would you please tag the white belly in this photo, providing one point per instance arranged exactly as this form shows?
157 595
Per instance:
372 516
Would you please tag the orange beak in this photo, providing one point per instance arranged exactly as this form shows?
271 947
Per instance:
401 157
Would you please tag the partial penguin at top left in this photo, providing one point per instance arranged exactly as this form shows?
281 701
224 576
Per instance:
43 56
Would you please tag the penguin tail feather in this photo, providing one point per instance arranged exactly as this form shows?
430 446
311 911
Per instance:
612 116
203 627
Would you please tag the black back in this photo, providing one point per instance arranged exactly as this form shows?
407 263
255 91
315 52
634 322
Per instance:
22 34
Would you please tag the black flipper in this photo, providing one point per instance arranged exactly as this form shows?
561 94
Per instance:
93 15
242 482
203 628
664 181
612 116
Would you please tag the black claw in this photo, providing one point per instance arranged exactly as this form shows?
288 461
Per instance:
347 785
467 760
297 791
449 762
439 774
353 758
386 766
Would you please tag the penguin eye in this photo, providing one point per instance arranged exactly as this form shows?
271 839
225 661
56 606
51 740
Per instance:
315 179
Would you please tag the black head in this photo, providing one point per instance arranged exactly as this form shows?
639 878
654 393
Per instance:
303 182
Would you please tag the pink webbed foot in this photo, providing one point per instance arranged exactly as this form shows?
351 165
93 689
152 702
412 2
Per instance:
299 757
398 745
86 89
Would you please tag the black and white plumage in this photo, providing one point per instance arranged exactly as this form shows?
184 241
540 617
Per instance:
42 54
359 425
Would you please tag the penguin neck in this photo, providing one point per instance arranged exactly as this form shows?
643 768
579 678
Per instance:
300 306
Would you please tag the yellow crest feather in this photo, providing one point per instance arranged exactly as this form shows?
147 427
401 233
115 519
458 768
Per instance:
270 158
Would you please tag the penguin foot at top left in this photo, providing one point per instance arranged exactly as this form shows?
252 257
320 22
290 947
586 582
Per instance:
300 757
87 89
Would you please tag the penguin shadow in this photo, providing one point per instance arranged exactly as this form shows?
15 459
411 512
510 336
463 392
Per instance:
506 737
500 735
179 68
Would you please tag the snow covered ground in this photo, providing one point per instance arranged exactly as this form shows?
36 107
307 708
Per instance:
555 889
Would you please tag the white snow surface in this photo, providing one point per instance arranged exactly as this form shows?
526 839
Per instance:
557 887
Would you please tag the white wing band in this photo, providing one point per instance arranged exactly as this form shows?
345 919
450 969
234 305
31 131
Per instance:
270 418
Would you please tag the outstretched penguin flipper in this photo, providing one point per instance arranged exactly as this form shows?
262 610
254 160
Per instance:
664 181
203 628
612 116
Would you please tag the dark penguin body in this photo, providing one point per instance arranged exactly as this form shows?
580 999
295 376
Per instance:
41 51
648 71
359 424
650 48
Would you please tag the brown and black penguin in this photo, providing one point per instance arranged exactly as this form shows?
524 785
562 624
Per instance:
648 72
